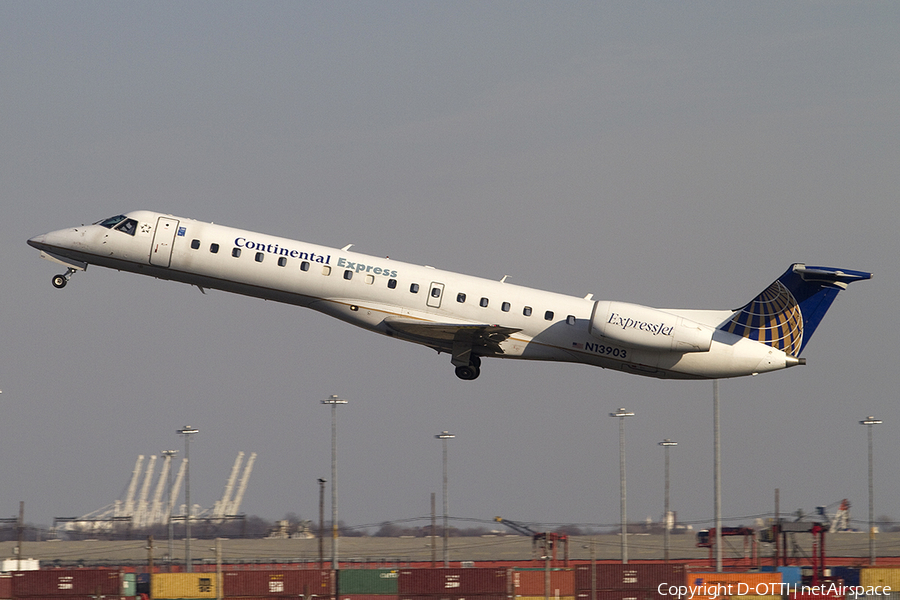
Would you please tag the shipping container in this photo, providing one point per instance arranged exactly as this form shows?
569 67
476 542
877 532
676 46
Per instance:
616 576
5 586
452 596
172 586
724 585
530 582
274 583
621 595
541 597
848 575
373 597
368 581
67 582
420 582
880 576
129 584
76 597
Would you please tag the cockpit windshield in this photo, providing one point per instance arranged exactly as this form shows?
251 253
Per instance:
111 222
120 223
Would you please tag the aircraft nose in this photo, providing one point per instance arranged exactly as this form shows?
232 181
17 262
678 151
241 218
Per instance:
38 241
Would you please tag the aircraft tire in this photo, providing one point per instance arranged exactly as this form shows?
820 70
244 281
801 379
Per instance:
60 281
467 372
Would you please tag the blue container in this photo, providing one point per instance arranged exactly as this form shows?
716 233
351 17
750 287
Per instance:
791 575
850 575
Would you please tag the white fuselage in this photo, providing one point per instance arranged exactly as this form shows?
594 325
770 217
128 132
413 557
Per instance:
376 292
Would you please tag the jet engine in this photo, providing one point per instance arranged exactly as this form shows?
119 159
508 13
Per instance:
645 327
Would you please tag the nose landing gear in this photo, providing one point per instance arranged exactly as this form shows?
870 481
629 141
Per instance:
60 281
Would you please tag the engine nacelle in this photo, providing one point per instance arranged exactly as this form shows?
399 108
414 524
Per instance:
645 327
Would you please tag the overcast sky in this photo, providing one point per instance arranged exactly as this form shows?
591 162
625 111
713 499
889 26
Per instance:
669 154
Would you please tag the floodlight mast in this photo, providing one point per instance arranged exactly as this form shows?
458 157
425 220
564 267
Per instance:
334 401
666 444
187 431
444 436
621 414
868 422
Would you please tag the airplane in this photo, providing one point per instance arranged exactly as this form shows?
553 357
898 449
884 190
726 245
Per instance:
469 318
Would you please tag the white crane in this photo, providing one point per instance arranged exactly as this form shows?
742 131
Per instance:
245 478
220 508
140 516
128 507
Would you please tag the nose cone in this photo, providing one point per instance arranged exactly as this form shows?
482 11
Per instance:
38 241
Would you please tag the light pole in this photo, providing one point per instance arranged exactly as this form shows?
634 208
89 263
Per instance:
322 483
186 431
666 444
621 414
868 422
170 457
334 401
444 436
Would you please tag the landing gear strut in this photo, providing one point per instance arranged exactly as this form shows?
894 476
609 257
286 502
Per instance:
60 281
470 371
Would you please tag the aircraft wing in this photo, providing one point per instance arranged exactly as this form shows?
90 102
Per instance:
478 335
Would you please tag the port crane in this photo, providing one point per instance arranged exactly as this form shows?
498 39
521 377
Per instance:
546 541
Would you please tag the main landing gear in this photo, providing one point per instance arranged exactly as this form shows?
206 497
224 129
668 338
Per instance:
470 371
60 281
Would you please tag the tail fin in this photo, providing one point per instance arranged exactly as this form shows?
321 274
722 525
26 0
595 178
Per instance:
786 314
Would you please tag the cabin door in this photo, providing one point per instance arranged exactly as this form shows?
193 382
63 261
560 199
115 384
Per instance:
435 293
163 240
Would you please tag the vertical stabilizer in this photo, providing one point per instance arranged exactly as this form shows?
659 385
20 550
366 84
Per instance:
787 313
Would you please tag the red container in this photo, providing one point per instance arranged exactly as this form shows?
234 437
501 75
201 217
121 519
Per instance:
273 584
452 582
66 582
531 583
622 595
641 576
5 586
453 596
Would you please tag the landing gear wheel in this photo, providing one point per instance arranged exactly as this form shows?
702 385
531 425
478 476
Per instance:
468 372
60 281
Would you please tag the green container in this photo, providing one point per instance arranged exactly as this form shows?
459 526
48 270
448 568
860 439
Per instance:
129 584
368 581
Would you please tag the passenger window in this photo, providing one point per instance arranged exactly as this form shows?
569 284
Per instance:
214 248
326 271
282 261
414 288
548 316
460 297
526 311
370 279
304 266
435 292
505 307
348 274
570 319
236 252
392 284
259 256
195 244
483 302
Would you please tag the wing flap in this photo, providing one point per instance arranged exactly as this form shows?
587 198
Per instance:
478 335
